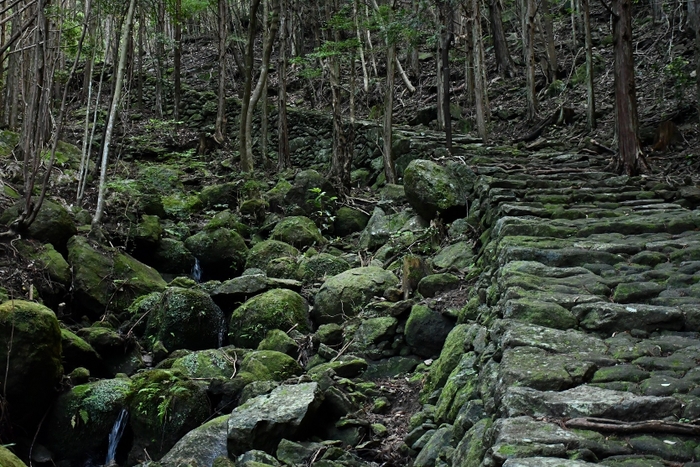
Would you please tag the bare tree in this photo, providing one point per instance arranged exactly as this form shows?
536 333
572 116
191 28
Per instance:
590 96
123 45
503 59
220 127
446 20
247 159
529 11
283 157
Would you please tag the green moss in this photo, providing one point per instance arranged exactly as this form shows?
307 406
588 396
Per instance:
269 365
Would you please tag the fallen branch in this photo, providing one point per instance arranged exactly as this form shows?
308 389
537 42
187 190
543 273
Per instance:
646 426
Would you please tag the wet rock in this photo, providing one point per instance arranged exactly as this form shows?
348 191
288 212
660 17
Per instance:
221 252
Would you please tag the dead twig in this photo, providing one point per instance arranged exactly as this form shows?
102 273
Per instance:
645 426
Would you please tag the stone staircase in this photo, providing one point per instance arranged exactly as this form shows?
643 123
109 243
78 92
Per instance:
587 307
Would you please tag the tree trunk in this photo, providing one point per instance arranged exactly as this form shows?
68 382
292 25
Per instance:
123 44
552 63
481 99
160 55
283 156
504 61
590 96
270 36
529 11
389 169
177 54
220 128
139 62
629 159
445 42
246 159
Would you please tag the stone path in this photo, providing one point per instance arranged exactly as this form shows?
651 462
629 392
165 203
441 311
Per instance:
587 305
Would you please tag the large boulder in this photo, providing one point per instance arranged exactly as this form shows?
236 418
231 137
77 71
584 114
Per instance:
262 422
200 446
163 409
81 419
53 223
348 221
221 252
270 365
264 252
381 227
54 287
303 190
8 459
106 279
426 331
344 295
320 266
434 190
182 319
207 364
77 352
298 231
30 360
171 256
274 309
221 196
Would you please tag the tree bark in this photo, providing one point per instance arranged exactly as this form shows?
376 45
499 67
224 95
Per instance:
177 55
446 15
552 63
246 159
504 61
160 55
389 170
220 128
590 96
630 159
123 44
481 99
529 11
283 156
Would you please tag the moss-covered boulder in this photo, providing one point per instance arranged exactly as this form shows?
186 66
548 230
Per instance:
434 190
298 231
344 295
279 341
78 426
426 331
106 279
76 352
201 446
210 363
304 190
163 407
221 252
270 365
56 283
146 235
374 338
434 284
181 319
220 196
277 196
348 221
274 309
172 257
119 353
318 267
262 253
32 369
381 227
8 459
53 223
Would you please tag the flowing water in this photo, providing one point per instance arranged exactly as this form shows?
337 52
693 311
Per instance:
197 271
116 435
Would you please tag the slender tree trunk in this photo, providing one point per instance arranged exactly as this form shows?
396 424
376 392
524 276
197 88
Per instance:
283 158
529 51
445 42
389 169
177 54
160 55
630 159
590 96
124 42
270 36
243 135
552 63
481 99
220 128
504 61
139 60
365 75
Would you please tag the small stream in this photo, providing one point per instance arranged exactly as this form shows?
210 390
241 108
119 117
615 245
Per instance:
116 435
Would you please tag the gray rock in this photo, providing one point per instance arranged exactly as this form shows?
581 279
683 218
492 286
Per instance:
53 223
200 446
432 190
546 462
381 227
344 295
298 231
221 252
262 422
426 331
458 256
434 284
588 401
613 317
439 441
